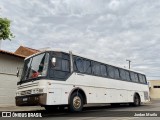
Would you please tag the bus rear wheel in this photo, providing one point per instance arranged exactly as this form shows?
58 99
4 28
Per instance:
136 100
76 102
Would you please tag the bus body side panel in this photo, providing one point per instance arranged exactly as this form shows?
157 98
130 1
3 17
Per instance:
107 90
97 89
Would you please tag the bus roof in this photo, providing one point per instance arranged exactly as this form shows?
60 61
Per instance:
82 57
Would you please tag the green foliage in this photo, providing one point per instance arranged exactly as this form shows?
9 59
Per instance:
5 32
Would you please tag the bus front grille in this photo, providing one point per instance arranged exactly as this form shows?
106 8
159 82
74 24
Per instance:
27 92
28 85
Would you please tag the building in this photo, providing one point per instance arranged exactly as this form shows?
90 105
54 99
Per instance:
8 69
26 51
154 87
8 79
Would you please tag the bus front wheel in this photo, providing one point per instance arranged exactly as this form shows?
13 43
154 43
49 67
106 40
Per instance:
76 102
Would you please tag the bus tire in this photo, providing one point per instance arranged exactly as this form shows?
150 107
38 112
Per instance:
76 102
136 100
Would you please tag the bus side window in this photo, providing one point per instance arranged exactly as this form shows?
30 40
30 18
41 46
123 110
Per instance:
79 64
140 78
61 70
116 73
74 64
58 65
122 74
103 70
132 76
136 77
96 68
87 66
65 65
110 71
127 76
144 79
62 64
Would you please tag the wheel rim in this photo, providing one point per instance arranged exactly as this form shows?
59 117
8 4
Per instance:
77 102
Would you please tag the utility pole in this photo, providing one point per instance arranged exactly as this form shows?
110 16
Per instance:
129 62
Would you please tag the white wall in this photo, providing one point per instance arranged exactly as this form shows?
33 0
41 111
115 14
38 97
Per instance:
7 89
8 79
9 64
154 92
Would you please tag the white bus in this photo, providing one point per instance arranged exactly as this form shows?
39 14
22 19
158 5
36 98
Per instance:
54 79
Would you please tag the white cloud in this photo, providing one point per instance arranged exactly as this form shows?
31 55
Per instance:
107 30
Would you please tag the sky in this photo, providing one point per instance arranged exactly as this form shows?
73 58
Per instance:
109 31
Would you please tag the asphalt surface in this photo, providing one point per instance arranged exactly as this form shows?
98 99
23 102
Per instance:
147 111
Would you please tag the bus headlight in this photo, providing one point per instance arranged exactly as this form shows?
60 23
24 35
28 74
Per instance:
37 90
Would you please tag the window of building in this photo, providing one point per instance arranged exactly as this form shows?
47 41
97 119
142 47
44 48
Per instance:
156 86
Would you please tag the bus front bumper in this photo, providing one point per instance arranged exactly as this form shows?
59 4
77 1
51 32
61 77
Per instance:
31 100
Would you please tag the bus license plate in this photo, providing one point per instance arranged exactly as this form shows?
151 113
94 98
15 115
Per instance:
25 99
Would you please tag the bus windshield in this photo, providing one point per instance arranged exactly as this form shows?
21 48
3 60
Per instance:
35 67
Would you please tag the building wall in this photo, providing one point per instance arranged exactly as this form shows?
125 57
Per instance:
154 92
8 78
9 64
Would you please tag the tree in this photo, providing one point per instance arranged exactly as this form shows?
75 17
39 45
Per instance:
5 32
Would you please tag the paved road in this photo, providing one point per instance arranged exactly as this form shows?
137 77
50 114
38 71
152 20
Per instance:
123 112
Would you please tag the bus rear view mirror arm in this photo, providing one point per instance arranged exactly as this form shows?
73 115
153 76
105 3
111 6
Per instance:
17 72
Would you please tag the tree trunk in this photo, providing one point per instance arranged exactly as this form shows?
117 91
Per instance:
0 44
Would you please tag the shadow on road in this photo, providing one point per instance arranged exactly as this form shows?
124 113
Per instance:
87 111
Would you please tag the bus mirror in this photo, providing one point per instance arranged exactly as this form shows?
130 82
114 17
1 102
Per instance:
17 72
54 61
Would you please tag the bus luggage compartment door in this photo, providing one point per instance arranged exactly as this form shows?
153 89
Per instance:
54 96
